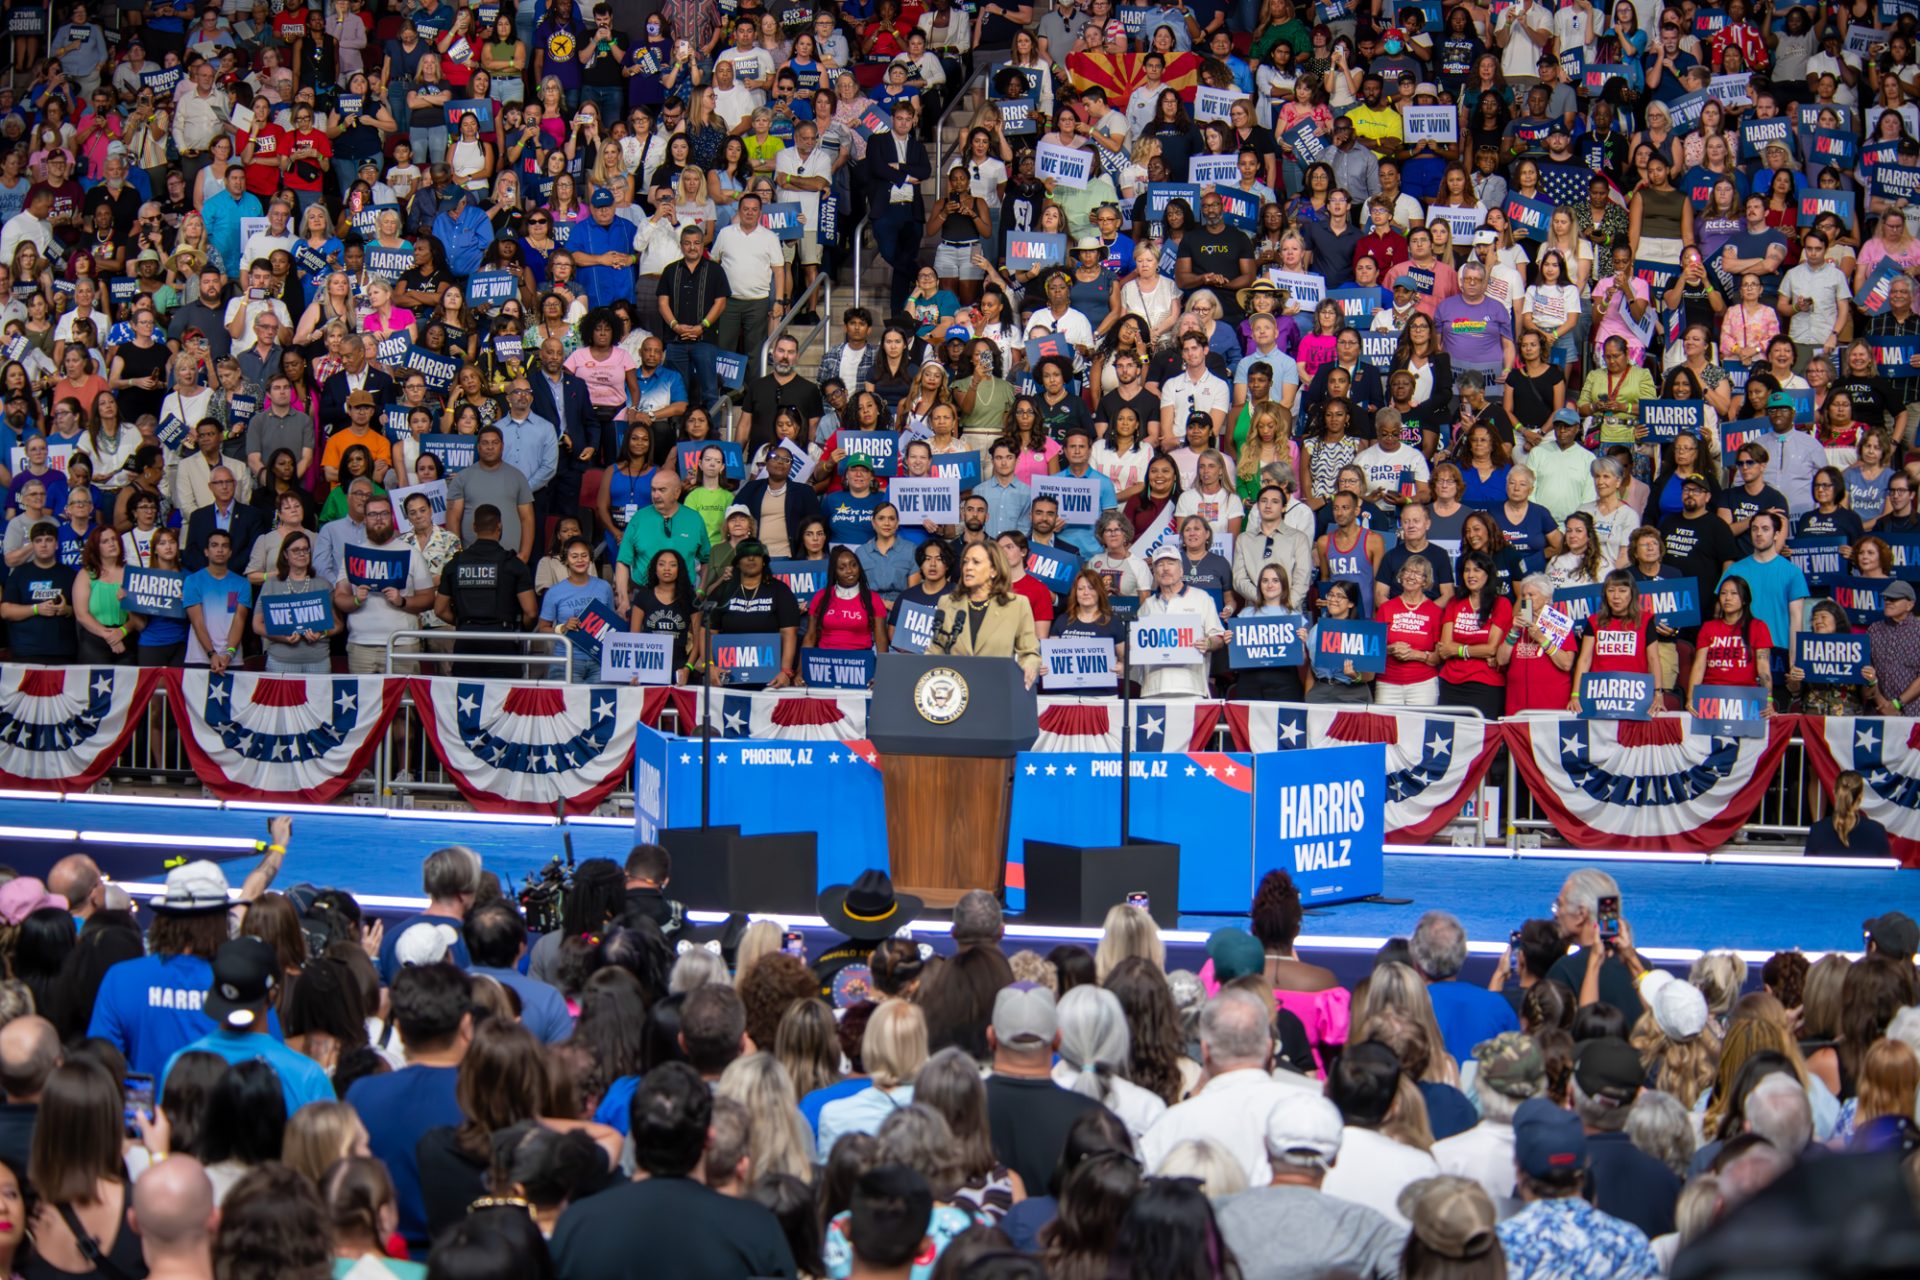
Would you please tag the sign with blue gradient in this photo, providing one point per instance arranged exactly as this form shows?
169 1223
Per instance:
1617 695
1277 641
746 659
805 578
689 452
1337 642
1729 711
376 568
1673 602
1320 816
289 615
1054 566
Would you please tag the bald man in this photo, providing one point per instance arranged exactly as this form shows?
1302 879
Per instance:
76 878
29 1051
174 1213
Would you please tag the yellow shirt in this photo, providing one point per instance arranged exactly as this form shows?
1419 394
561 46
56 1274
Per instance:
1375 126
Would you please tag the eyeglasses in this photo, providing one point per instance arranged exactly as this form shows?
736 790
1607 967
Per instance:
1749 462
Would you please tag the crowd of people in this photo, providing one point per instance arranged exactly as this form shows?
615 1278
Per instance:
271 1084
467 284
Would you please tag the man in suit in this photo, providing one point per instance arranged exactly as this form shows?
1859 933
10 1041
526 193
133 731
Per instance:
895 166
356 374
561 397
241 522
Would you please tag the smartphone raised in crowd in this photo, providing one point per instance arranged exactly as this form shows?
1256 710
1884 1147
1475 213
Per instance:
136 1101
794 943
1137 899
1513 954
1607 915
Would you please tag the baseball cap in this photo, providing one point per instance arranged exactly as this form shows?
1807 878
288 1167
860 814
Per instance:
1780 400
1677 1007
1512 1065
1452 1216
194 887
1695 478
958 331
1547 1139
1609 1068
602 198
22 897
1165 553
359 398
1426 88
1486 236
1024 1015
1235 952
244 976
1303 1128
1899 590
1895 932
857 460
1568 416
371 162
737 510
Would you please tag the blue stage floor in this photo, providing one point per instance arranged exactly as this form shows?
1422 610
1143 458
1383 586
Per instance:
1679 906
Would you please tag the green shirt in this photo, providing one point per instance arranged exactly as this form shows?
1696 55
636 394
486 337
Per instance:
712 505
647 534
1293 31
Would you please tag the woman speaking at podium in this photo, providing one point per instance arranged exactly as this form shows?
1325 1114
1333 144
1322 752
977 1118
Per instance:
984 619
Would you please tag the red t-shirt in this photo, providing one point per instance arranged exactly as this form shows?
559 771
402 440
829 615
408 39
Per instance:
1470 627
1729 660
264 175
1418 626
1534 683
319 142
1037 595
1618 645
845 624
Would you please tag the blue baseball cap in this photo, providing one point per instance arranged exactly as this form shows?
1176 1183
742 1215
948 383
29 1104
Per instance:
1568 416
602 198
1547 1139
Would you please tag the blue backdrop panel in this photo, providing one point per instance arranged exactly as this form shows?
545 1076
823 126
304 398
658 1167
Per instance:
1321 815
759 785
1201 801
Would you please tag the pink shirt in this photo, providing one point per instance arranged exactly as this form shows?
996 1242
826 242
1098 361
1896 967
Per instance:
1035 464
606 379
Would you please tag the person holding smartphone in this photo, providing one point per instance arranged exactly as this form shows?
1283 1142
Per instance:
1596 968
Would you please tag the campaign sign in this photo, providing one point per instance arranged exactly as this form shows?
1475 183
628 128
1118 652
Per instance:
1860 39
1357 303
1364 644
596 623
1430 124
783 219
935 498
1573 62
1529 216
437 369
1167 640
1321 816
1161 194
1896 182
434 491
389 263
376 568
1814 203
1055 566
1865 599
1066 166
1463 221
962 468
1819 558
871 121
730 369
240 408
1656 275
481 109
1377 348
456 453
1240 208
484 288
1831 659
1304 287
1895 356
1030 250
805 578
913 626
1275 641
1617 695
746 659
1047 346
636 657
1078 662
391 348
1728 711
1077 496
1665 419
1872 297
1686 110
394 421
172 432
1556 625
881 448
349 104
161 81
1673 602
122 290
836 668
1307 143
1833 147
1221 171
1017 116
1214 104
156 593
1757 135
1707 22
1579 603
287 616
1731 91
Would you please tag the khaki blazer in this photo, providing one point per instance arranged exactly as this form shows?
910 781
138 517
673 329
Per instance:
1006 632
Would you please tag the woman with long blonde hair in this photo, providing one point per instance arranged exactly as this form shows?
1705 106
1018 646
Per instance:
780 1140
1889 1081
1128 931
1397 987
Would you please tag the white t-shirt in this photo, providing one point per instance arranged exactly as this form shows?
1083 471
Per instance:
1552 304
748 259
751 64
1385 467
1188 396
1217 509
375 621
1825 287
1521 57
790 162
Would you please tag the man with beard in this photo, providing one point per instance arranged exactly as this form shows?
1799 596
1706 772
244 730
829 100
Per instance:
1217 257
1699 544
692 297
781 387
973 524
374 614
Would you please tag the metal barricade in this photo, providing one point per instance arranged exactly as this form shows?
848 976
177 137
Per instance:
563 649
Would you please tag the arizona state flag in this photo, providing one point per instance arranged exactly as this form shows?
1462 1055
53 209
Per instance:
1120 74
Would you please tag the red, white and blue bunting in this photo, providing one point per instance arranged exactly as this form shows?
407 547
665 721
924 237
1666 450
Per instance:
1093 724
62 728
302 739
1884 752
1648 786
511 747
1433 761
798 716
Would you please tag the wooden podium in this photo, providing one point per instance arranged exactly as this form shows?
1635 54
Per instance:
948 729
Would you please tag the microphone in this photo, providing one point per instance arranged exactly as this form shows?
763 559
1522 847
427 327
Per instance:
946 635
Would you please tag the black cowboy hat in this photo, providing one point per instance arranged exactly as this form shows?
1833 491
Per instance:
867 910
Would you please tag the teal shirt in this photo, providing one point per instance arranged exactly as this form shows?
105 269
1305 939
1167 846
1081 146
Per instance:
647 534
302 1080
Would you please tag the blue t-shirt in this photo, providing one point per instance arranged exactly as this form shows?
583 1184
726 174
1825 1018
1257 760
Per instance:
302 1080
1469 1015
850 519
811 1104
149 1009
397 1109
1775 585
564 601
390 962
1529 536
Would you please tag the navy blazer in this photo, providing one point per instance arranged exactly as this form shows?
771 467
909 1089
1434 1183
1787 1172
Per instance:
246 526
333 398
572 417
801 502
880 172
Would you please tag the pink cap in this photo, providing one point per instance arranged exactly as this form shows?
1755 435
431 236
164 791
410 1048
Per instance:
20 898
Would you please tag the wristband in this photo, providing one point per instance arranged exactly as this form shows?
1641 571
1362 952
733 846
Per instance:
36 611
1896 704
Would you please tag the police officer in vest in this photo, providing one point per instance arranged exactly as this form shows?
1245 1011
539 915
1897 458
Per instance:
486 588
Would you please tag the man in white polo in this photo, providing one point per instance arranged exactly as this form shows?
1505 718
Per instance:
756 269
805 170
